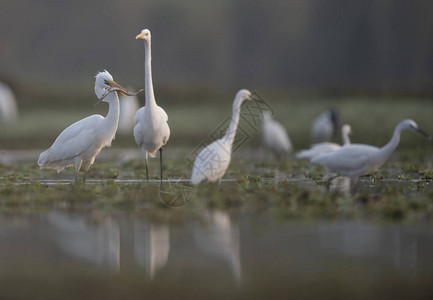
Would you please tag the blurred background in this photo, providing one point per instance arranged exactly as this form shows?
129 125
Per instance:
344 54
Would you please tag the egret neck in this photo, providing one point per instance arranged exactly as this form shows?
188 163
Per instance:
387 150
148 86
345 135
231 130
111 121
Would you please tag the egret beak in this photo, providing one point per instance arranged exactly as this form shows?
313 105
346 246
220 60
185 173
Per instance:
256 98
422 132
119 89
140 36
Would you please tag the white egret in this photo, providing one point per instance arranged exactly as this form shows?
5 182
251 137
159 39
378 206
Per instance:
326 147
151 130
275 136
128 108
213 160
324 127
82 141
8 105
355 160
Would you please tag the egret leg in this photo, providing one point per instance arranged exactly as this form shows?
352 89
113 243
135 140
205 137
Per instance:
147 170
77 168
329 183
86 169
354 182
160 161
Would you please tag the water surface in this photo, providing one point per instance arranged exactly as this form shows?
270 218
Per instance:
62 254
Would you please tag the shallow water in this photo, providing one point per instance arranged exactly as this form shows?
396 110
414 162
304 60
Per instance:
80 254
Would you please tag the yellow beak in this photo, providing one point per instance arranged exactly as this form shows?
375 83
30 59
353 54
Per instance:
140 36
112 83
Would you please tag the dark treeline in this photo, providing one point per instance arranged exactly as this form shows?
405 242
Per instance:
275 44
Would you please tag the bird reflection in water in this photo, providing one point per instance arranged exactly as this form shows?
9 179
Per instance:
341 185
97 241
221 239
151 246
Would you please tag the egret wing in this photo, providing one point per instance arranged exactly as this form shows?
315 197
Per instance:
347 159
138 131
75 139
211 163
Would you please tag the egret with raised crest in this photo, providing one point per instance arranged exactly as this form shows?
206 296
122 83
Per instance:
82 141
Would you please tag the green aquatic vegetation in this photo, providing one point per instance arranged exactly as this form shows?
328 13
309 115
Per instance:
404 177
420 185
314 175
304 194
270 174
376 177
426 174
249 178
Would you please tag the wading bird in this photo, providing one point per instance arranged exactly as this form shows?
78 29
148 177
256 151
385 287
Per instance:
275 136
82 141
8 104
151 130
355 160
324 127
326 147
213 160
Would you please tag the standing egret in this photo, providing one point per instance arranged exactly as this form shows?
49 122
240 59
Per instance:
213 160
151 130
326 147
82 141
128 108
355 160
324 126
275 136
8 105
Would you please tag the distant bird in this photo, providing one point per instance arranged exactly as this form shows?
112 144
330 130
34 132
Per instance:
128 108
275 136
8 104
326 147
82 141
151 130
324 127
357 159
213 160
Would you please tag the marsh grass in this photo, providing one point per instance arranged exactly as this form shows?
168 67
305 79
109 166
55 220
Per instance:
406 195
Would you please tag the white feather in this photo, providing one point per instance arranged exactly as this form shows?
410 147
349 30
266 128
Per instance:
275 136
